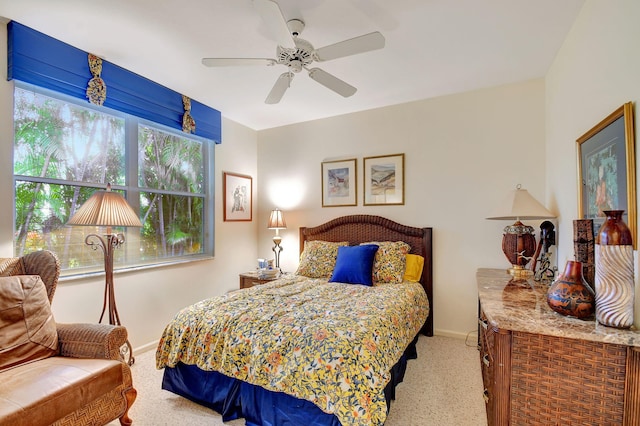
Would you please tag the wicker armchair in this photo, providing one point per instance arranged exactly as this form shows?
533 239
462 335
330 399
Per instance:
100 388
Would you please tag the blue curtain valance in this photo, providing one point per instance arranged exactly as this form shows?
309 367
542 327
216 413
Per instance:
41 60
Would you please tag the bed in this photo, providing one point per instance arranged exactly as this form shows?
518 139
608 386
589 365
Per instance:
307 350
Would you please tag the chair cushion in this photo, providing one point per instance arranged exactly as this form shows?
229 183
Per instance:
27 328
41 392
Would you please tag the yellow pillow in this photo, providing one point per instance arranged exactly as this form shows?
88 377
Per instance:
413 271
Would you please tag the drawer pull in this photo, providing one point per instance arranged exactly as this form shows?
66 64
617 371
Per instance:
485 395
483 323
485 359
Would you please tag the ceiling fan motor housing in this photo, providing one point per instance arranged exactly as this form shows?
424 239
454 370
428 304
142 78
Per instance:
297 58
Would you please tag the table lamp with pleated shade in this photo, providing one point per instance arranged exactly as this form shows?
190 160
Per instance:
519 241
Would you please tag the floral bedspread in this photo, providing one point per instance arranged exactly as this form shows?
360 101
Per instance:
330 343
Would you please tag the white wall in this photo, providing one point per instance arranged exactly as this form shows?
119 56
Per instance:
463 153
596 71
146 299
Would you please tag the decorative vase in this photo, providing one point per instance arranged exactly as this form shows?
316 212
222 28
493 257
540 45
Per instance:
584 248
614 272
570 294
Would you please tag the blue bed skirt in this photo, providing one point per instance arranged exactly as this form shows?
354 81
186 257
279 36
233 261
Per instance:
234 399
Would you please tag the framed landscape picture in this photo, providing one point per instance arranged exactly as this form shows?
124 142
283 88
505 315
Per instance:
339 183
607 171
237 193
384 180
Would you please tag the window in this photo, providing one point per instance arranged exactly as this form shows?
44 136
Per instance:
64 150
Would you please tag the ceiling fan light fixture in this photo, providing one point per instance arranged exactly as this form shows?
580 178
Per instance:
295 66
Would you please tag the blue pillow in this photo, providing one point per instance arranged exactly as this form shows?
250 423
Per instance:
354 264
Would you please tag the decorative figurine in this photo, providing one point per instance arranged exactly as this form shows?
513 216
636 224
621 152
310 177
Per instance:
545 271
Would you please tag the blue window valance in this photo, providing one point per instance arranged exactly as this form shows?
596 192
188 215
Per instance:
41 60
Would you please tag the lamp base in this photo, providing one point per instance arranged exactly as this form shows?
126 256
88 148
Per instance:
518 271
276 251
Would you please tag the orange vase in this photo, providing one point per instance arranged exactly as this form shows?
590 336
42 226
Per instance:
570 294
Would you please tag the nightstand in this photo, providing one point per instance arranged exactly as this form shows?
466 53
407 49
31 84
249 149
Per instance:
249 279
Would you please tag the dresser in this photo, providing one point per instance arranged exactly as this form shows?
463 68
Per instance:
542 368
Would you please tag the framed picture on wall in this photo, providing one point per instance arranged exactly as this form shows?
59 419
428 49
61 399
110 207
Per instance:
607 170
339 183
237 192
384 180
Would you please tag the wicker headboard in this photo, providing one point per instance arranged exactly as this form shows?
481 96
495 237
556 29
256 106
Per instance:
358 229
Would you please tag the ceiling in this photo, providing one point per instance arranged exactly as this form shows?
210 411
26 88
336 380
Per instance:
433 47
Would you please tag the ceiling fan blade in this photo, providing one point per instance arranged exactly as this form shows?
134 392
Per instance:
353 46
277 24
232 62
282 84
331 82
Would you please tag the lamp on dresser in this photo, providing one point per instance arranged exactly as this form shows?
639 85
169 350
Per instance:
519 241
110 209
276 221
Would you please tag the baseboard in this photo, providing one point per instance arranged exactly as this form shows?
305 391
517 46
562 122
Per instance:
144 348
453 334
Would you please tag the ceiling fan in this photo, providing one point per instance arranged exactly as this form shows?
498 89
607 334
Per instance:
298 54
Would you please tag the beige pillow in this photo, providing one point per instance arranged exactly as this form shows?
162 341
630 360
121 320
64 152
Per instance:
27 328
390 262
11 266
318 258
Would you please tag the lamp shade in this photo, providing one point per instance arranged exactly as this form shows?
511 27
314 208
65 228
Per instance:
519 204
105 208
276 220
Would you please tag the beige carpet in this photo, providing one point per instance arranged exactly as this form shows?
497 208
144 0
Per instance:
443 387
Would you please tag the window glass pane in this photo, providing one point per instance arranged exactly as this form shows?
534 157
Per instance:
42 210
173 226
64 151
169 162
60 140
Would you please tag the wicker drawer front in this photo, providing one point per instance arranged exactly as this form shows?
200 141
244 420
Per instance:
566 381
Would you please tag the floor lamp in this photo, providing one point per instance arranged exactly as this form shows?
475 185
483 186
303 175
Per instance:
276 221
106 208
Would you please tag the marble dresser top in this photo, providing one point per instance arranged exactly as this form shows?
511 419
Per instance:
521 305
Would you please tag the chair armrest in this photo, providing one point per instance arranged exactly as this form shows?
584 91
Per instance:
46 264
91 340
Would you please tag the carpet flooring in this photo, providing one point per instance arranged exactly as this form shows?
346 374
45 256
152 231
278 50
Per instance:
443 387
